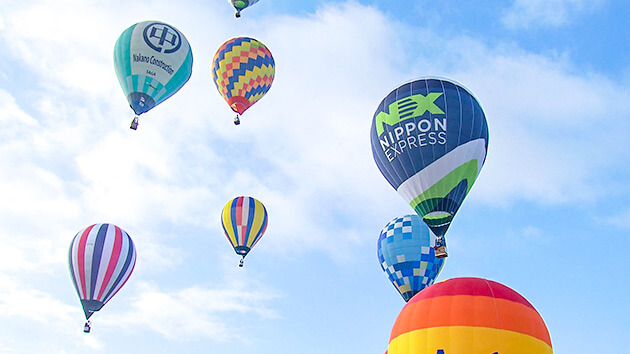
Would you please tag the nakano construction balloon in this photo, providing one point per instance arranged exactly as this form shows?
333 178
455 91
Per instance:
244 221
405 252
429 140
153 60
239 5
472 316
242 70
102 257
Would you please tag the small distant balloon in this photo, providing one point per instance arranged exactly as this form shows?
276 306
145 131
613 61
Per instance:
405 252
101 259
243 70
240 5
153 60
244 220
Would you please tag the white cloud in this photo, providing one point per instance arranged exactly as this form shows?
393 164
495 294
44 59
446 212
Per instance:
532 232
554 131
524 13
620 220
196 311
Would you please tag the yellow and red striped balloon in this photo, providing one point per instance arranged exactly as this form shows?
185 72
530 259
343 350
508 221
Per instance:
244 221
472 316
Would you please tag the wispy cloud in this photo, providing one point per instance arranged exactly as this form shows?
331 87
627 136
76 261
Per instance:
554 13
196 311
620 220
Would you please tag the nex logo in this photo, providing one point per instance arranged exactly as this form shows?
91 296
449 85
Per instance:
160 36
408 107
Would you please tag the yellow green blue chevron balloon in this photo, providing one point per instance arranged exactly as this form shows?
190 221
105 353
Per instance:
153 60
239 5
242 70
244 220
429 140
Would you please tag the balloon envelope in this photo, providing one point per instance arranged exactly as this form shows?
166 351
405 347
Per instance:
429 140
244 221
469 315
243 70
153 60
102 257
405 252
239 5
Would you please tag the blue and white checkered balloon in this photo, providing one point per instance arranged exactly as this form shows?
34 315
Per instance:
406 255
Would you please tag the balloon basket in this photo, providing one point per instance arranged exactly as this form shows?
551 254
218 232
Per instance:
237 120
134 123
87 327
440 251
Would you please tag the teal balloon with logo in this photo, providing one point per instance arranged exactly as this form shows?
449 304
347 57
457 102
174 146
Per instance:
153 60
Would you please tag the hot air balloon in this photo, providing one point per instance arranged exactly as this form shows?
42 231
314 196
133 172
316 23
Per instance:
429 140
405 252
469 315
242 70
153 60
102 257
239 5
244 221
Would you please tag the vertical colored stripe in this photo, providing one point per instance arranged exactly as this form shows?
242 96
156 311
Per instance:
249 214
113 260
260 230
125 273
227 223
96 258
238 217
233 224
257 223
81 259
106 253
72 264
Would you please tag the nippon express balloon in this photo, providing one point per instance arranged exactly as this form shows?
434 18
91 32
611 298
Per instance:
244 220
242 70
240 5
153 60
469 315
429 140
101 259
405 252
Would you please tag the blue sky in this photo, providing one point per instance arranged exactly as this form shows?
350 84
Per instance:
548 215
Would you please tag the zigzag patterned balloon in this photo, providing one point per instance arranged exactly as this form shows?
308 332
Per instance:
243 70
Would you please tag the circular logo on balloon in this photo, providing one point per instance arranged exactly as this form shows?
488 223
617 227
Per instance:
162 38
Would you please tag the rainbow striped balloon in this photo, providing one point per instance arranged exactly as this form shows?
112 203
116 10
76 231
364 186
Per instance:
244 221
243 70
102 257
469 315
